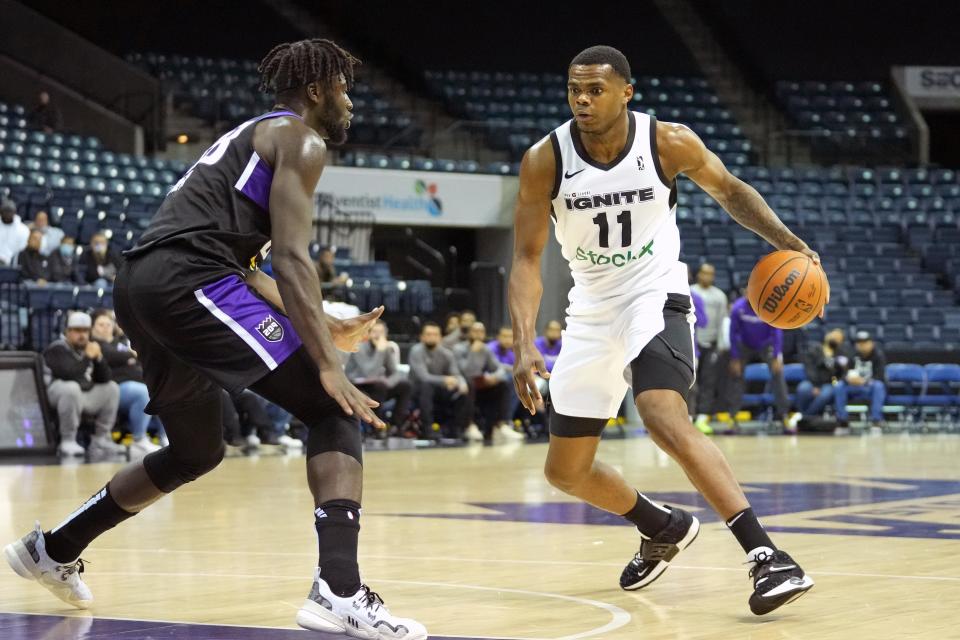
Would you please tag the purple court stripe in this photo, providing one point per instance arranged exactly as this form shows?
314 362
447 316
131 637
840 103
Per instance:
267 331
16 626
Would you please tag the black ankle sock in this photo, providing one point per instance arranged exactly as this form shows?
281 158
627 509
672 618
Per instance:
338 527
98 514
748 531
649 517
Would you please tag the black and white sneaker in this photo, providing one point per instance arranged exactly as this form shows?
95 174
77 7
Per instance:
777 580
656 553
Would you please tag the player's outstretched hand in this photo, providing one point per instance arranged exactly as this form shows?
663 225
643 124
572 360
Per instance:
348 334
529 361
351 400
813 255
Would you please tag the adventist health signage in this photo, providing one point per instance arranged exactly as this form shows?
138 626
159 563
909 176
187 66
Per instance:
423 198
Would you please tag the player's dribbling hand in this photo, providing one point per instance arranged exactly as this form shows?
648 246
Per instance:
348 334
813 255
351 400
529 361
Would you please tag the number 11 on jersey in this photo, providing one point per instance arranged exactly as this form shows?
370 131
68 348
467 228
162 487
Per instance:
625 230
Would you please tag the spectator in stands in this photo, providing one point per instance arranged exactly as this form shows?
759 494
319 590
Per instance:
753 340
13 233
126 371
99 265
63 262
437 382
825 365
51 235
864 379
327 270
467 318
451 323
373 370
78 383
45 115
34 265
550 343
709 374
489 385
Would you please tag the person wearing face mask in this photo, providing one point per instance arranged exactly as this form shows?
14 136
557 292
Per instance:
13 233
825 365
63 262
99 265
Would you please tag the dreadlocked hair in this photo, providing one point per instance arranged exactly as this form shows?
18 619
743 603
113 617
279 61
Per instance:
294 64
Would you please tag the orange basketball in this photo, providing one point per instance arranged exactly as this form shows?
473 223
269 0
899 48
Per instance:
786 290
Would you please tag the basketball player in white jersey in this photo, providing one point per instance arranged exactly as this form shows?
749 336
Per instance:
608 179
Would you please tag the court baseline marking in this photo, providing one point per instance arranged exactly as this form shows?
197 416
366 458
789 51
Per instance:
575 563
619 617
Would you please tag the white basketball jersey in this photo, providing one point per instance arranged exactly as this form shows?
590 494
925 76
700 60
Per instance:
616 222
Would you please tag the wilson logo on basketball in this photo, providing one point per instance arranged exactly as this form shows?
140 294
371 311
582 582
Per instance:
777 294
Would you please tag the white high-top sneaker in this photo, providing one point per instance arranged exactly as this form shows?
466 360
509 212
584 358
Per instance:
362 615
28 558
70 448
140 448
102 445
473 433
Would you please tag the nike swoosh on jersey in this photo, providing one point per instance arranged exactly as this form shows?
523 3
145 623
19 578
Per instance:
570 175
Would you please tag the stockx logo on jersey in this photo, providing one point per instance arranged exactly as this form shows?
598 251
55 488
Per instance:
270 329
616 259
429 193
584 201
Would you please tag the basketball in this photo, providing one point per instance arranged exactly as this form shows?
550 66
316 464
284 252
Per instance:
787 290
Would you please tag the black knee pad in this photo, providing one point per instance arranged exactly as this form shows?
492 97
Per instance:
169 470
574 427
335 433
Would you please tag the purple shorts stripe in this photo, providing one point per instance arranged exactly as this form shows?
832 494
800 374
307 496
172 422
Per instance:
267 331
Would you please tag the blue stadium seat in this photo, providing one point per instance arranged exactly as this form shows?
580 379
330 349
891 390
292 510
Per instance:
757 373
905 383
943 385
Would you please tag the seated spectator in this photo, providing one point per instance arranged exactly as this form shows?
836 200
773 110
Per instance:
63 262
490 386
78 383
51 235
864 380
451 324
99 265
247 423
34 265
13 233
753 340
549 343
438 383
824 365
452 339
373 370
126 371
326 269
45 115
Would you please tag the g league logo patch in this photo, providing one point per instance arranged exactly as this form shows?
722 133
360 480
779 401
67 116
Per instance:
270 329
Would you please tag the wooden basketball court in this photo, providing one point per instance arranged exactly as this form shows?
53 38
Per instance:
474 543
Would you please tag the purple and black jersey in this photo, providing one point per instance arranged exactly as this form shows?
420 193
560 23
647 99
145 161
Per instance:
217 216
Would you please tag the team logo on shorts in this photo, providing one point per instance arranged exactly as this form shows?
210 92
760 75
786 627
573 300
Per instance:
270 329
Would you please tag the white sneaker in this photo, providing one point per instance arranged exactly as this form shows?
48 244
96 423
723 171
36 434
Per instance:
28 558
253 440
473 433
140 448
289 442
104 445
70 448
506 433
362 615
